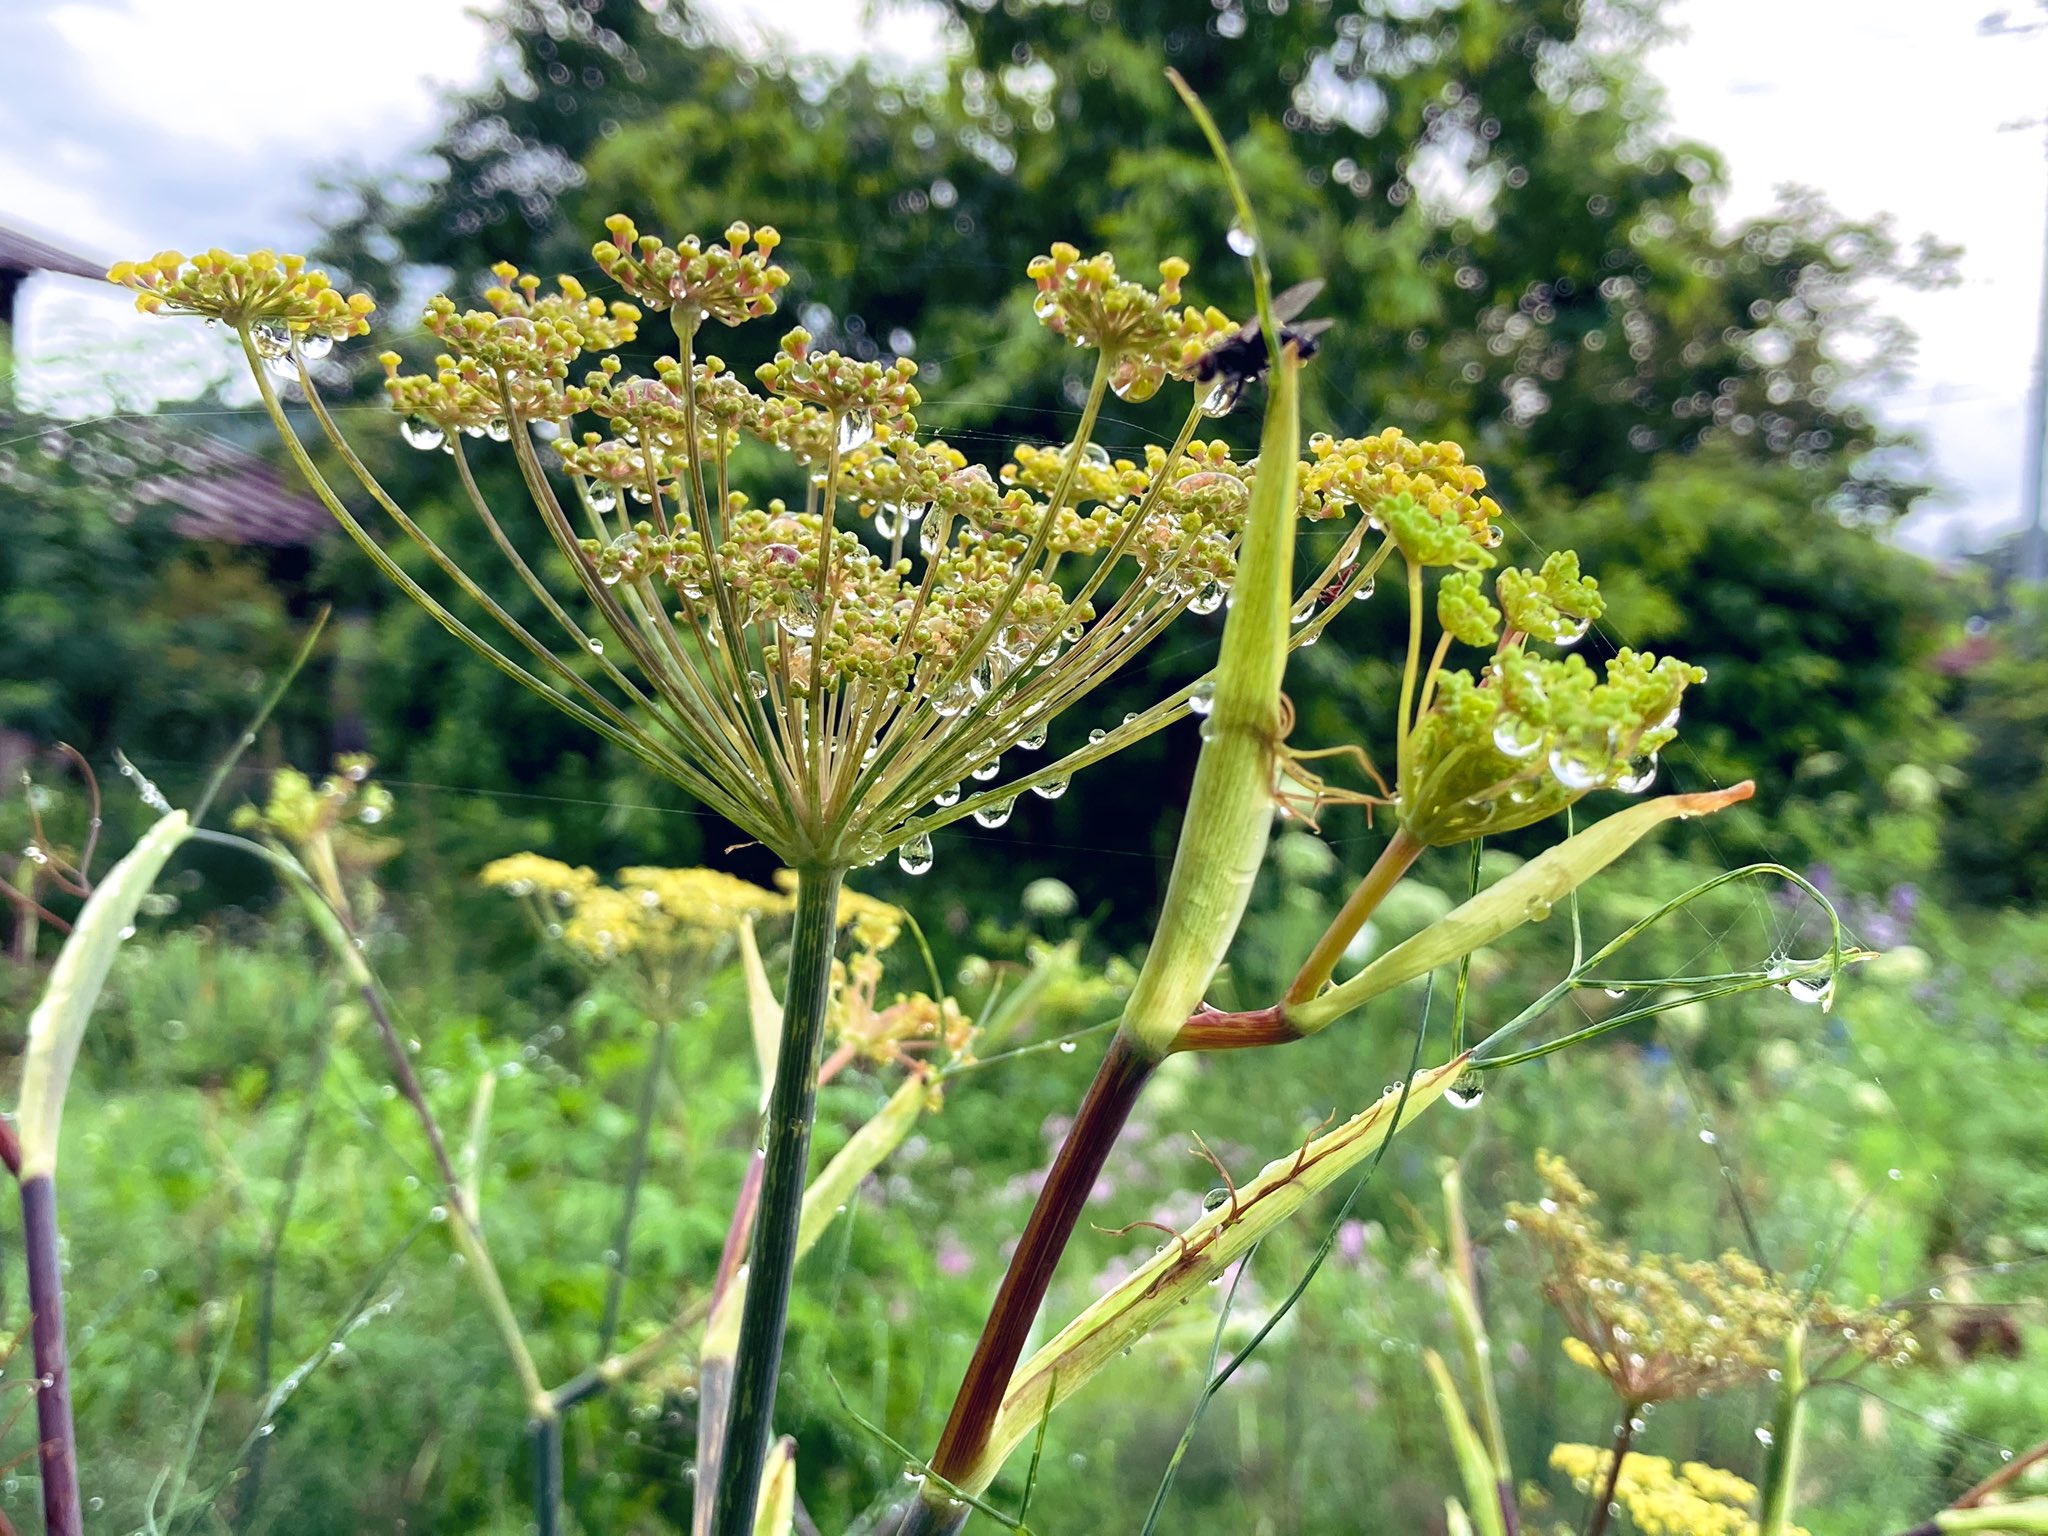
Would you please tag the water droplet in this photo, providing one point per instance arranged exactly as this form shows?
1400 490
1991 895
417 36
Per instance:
1812 989
127 932
1639 775
1516 738
950 795
96 1503
1096 735
1215 1200
602 497
1045 306
1051 789
757 685
1894 1175
996 814
1035 740
1208 599
438 1213
1067 1047
1466 1092
1202 698
596 646
982 678
1574 771
421 433
1708 1137
989 769
801 621
1764 1437
1222 396
1570 631
855 428
314 345
1240 241
1095 456
271 338
916 855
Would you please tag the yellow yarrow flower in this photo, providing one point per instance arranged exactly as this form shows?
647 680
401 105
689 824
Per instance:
1662 1500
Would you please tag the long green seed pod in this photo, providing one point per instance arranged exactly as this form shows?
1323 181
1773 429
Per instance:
1230 808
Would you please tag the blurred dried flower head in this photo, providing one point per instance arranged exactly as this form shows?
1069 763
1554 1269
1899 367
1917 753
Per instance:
1660 1328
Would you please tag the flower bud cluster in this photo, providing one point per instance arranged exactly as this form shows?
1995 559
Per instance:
857 395
1426 497
245 291
728 283
1534 735
1150 335
1555 605
817 677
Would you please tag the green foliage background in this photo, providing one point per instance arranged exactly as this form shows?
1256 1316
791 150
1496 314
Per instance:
1518 255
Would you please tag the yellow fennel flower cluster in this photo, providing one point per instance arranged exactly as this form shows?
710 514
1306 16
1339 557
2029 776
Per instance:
246 291
655 915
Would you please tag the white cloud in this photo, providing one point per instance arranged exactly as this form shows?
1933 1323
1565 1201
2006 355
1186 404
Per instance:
305 78
1897 105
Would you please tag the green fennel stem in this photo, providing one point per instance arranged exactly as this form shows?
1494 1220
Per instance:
1401 851
786 1145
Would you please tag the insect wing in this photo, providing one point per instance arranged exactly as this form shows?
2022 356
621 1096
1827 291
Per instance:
1293 301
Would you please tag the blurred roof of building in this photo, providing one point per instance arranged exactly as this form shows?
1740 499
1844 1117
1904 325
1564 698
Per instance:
24 254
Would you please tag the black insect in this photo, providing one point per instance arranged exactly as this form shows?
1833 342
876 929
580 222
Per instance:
1232 366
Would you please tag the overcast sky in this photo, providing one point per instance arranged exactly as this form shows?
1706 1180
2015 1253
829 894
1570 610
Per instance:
130 125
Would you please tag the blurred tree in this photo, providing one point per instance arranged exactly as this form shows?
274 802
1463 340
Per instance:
1998 829
1818 642
115 630
1516 253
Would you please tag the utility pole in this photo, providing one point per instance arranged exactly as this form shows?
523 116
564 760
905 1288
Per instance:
2033 562
2031 566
